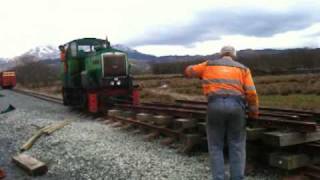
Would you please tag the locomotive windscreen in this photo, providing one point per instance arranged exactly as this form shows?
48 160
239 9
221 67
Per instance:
114 64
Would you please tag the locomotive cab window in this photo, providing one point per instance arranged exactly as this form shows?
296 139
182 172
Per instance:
73 48
84 48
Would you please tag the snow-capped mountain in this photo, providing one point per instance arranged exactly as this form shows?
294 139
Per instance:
6 64
3 61
44 52
134 54
124 48
51 52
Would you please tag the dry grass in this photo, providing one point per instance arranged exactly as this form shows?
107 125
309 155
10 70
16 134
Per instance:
150 96
288 84
299 101
160 76
297 91
286 78
266 85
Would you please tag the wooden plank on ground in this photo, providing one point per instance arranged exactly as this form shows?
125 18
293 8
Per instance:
2 174
282 139
255 133
31 165
186 123
288 161
202 127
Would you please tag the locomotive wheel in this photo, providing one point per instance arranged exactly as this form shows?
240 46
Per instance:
66 101
84 100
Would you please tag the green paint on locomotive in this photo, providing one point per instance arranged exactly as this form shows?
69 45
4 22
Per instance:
84 59
94 67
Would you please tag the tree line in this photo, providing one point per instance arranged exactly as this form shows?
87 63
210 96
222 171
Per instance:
33 73
260 62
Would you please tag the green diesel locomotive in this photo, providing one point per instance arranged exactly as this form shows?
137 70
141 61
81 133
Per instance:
95 74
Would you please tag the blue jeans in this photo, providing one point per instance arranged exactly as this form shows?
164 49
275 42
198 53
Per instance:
226 116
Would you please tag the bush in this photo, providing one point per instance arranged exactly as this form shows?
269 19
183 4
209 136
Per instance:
33 73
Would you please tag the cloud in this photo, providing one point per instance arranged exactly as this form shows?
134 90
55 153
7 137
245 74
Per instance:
315 34
212 24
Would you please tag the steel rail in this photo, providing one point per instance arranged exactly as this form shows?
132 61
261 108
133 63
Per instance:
266 120
312 171
293 116
39 96
166 131
262 121
164 110
279 123
289 110
314 145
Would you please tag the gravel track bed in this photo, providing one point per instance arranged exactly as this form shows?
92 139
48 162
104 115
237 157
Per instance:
87 149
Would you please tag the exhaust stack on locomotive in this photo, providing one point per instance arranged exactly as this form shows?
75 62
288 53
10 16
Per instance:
95 74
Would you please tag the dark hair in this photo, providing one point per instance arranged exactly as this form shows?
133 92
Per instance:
61 48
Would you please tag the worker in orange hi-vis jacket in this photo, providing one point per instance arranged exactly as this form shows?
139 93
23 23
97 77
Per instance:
62 53
230 89
63 58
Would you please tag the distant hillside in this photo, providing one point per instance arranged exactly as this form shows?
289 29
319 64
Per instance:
2 61
44 52
134 54
6 64
2 64
50 52
269 61
264 61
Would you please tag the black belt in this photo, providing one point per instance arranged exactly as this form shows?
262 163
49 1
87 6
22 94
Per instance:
217 96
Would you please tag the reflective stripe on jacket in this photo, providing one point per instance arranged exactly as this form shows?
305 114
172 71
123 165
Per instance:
226 77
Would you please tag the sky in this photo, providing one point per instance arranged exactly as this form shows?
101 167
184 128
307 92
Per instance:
161 27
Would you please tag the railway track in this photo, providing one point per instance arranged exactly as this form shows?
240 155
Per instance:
39 96
194 114
263 108
182 125
312 172
299 121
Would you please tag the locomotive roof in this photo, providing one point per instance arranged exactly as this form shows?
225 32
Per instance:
95 41
88 41
91 41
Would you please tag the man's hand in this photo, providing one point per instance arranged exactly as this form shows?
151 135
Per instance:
253 115
188 72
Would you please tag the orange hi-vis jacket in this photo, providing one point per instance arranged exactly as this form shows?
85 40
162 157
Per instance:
62 56
64 60
227 77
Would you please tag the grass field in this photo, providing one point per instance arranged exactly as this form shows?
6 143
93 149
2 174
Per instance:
295 91
300 101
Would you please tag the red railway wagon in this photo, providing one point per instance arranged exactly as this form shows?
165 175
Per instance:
7 79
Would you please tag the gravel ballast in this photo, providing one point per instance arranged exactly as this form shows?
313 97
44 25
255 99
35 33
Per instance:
88 149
